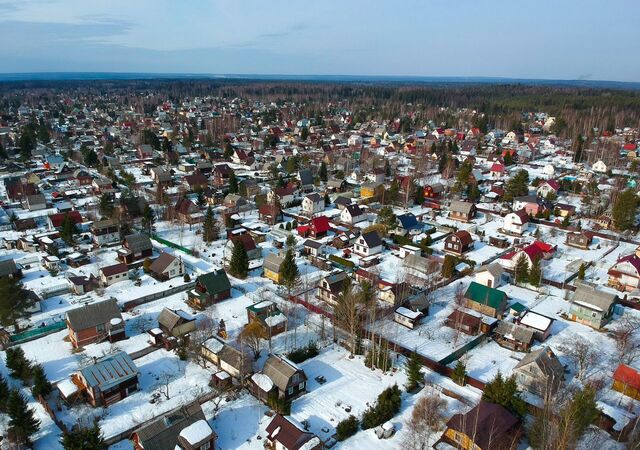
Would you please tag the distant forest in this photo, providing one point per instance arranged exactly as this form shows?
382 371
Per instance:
580 108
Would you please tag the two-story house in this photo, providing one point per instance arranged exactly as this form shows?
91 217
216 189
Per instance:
591 306
368 244
95 322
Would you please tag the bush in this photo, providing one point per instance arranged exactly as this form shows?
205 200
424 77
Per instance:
279 405
347 428
387 406
187 278
302 354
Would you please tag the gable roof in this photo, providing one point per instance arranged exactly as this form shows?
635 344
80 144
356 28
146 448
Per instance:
8 267
93 314
290 435
354 210
138 242
485 295
461 207
170 318
408 221
485 423
320 224
215 282
273 262
591 296
627 375
546 360
463 236
372 239
515 332
161 263
305 177
114 269
162 433
280 370
109 371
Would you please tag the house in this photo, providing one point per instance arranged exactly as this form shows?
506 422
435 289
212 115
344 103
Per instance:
306 180
105 232
227 358
497 170
352 214
539 372
599 166
108 380
580 239
516 222
95 322
221 174
166 266
196 181
113 274
407 317
514 336
462 211
337 185
368 244
135 248
284 195
469 322
267 314
368 190
82 285
161 176
284 434
490 275
625 273
253 251
342 201
317 227
176 323
312 204
187 211
393 293
532 204
272 267
406 250
330 287
288 381
548 187
591 306
486 300
9 269
176 429
270 214
56 220
433 191
210 288
407 224
35 202
234 201
313 248
539 324
487 426
458 243
626 380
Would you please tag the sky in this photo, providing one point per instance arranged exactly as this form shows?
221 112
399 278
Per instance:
545 39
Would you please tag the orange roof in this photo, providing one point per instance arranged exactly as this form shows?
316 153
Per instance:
627 375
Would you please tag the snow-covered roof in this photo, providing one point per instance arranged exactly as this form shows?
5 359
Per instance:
196 432
67 387
262 381
537 321
408 313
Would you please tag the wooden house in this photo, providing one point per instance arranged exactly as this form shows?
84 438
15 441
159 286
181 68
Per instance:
514 336
113 274
166 266
210 288
272 267
581 239
626 380
108 380
269 316
287 380
458 243
135 247
284 434
539 372
462 211
95 322
176 322
486 300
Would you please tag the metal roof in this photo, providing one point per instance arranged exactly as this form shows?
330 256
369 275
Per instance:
110 371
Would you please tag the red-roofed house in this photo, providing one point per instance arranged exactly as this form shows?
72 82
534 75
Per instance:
318 227
534 251
630 146
547 187
56 220
516 222
625 273
497 170
626 380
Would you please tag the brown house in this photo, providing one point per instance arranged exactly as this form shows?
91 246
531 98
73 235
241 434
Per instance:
462 211
486 427
176 429
458 243
176 323
210 288
135 248
282 434
283 379
188 212
267 314
95 322
581 239
270 214
108 380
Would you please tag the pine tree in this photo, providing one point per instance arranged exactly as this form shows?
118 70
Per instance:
68 229
413 367
323 171
14 302
624 210
148 219
106 205
4 394
22 421
290 272
239 264
505 392
535 273
80 438
462 179
41 385
233 183
582 271
459 374
521 269
449 266
210 230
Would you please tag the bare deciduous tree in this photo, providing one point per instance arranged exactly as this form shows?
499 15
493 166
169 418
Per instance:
251 335
348 313
627 342
582 354
427 418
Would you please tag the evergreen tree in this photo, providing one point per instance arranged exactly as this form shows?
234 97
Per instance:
22 421
68 229
581 412
80 438
565 221
387 168
4 394
210 231
228 151
413 367
418 196
535 273
233 183
106 205
582 271
387 217
290 272
459 374
449 266
323 171
624 210
239 264
462 179
3 152
43 132
148 219
505 392
14 302
327 200
41 386
517 185
521 269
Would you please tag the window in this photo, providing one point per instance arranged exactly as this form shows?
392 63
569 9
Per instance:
301 386
205 446
290 391
593 314
294 378
100 327
456 437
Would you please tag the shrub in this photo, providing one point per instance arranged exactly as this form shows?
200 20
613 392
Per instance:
302 354
347 428
387 406
279 405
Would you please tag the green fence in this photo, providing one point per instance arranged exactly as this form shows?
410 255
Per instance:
171 244
37 332
462 350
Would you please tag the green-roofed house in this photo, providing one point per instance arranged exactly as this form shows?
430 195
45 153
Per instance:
489 301
517 308
210 288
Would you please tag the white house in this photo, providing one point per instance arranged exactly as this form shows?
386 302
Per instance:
355 140
599 166
490 275
406 250
352 214
548 187
312 204
516 222
368 244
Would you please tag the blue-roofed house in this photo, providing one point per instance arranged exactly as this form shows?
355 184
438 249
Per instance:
108 379
408 223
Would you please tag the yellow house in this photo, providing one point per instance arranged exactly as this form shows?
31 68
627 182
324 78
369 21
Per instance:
368 190
272 267
626 380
